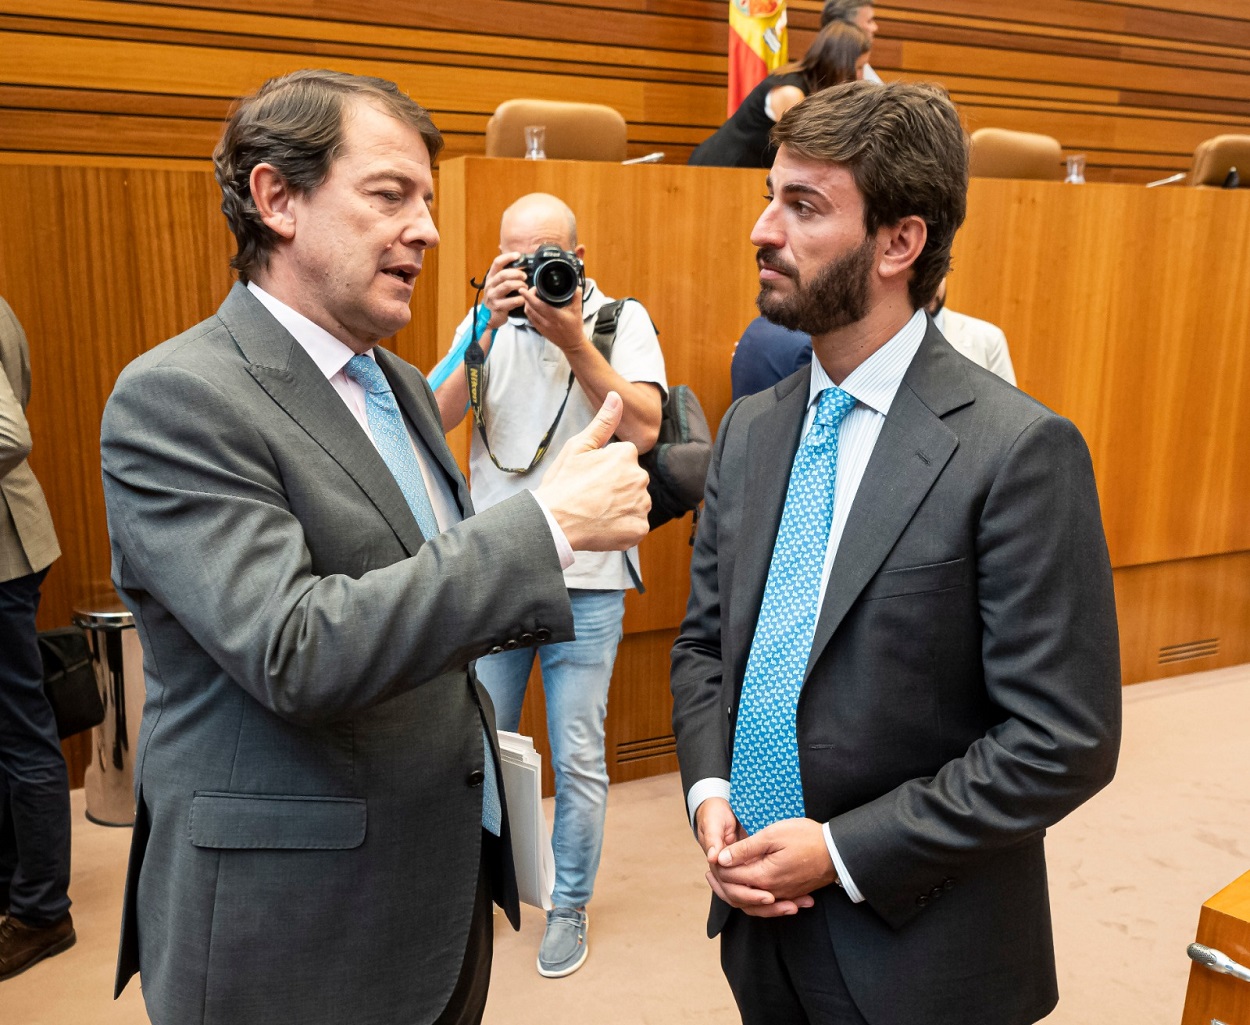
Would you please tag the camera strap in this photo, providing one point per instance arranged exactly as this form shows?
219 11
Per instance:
474 364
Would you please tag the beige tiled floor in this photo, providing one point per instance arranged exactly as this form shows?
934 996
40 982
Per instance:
1128 873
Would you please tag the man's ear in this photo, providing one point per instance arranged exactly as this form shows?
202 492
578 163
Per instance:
904 243
273 196
580 252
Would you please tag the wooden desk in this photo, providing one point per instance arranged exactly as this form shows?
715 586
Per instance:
1223 925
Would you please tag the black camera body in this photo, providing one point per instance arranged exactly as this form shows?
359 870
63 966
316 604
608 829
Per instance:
555 274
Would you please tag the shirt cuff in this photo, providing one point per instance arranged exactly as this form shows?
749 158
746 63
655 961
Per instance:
563 549
844 877
701 791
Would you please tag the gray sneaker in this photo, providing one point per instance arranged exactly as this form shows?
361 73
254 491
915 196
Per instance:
564 945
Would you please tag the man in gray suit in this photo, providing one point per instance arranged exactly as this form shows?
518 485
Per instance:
319 830
34 788
899 664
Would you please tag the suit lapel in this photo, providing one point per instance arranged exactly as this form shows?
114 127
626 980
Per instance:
772 440
913 448
290 377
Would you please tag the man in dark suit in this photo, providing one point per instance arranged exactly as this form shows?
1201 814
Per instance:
899 664
320 830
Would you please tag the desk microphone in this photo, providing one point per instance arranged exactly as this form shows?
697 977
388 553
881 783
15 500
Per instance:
1232 180
1218 962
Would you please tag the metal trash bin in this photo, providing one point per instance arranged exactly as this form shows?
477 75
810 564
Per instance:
118 662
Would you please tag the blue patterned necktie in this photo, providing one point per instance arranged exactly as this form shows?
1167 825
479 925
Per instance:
765 785
390 434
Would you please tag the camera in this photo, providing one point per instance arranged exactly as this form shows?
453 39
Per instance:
555 274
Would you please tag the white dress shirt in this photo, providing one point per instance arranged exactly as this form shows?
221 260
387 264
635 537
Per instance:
873 384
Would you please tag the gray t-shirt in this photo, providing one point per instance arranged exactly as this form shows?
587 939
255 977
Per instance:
525 380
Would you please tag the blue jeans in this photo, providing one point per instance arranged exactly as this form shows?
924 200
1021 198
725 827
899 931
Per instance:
34 784
576 675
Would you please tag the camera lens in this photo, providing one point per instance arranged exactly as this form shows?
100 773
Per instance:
556 283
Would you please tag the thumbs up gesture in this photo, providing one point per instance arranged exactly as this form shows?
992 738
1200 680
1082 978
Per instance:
595 488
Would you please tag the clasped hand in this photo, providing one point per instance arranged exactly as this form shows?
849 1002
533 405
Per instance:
770 874
506 292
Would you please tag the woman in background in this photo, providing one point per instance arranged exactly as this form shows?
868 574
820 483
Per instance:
835 56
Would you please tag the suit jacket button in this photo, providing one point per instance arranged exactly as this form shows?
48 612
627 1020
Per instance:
475 778
511 643
923 900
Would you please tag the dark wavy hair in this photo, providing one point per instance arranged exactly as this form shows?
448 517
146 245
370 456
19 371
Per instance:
295 123
906 149
832 57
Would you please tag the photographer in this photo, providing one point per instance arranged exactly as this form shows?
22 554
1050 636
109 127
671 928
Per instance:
543 380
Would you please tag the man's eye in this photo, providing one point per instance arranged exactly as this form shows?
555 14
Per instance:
768 197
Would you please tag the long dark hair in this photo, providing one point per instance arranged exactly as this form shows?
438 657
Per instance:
831 58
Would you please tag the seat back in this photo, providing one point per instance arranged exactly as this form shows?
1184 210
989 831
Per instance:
1001 153
575 131
1213 157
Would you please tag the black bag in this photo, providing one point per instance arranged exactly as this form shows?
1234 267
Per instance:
677 465
69 680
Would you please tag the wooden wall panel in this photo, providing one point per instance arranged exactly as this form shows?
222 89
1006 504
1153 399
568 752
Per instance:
1183 616
1133 85
1125 311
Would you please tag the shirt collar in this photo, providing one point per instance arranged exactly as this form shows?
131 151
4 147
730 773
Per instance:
875 382
327 352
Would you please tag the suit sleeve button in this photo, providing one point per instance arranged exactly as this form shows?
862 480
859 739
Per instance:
495 650
475 778
511 644
923 900
948 884
543 634
527 638
936 892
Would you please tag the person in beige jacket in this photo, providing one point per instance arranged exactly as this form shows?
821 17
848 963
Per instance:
34 787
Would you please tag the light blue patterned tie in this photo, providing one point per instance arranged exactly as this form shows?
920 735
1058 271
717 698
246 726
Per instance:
390 434
765 784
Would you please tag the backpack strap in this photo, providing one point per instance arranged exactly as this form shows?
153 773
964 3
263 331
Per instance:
604 335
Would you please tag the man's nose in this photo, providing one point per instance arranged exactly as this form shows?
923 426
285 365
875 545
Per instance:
421 232
765 231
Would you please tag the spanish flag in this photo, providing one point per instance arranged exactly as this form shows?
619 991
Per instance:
757 44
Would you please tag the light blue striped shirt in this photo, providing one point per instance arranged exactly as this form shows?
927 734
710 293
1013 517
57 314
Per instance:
873 383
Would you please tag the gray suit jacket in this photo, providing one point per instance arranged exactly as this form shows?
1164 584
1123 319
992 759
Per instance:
309 767
962 692
27 540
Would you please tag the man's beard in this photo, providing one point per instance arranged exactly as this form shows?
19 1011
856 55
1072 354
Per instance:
837 295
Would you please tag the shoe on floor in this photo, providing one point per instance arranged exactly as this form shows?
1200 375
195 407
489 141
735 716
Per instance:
23 945
564 945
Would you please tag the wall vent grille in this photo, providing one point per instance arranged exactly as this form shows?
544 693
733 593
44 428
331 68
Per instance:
651 747
1171 653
